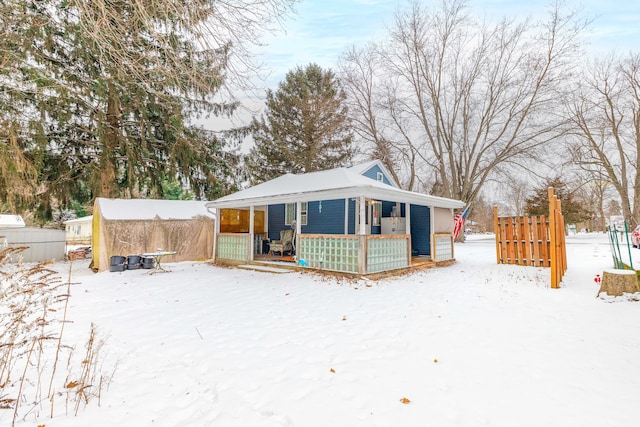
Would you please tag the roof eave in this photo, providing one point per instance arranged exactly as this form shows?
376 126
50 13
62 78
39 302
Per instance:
375 192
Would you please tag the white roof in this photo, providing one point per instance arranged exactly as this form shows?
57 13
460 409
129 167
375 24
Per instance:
11 221
339 183
82 219
132 209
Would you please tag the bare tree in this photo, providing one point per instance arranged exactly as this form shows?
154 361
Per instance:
369 98
462 97
606 114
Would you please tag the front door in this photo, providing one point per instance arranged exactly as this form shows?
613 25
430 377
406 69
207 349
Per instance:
420 229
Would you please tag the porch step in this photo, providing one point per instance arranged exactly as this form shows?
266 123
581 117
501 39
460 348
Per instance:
264 268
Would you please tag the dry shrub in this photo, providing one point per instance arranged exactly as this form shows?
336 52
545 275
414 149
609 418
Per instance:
33 313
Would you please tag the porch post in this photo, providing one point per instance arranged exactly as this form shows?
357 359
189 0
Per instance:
266 225
407 211
299 225
251 234
432 226
346 216
362 238
363 216
216 231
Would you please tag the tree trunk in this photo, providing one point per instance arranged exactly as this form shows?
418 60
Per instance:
617 282
107 187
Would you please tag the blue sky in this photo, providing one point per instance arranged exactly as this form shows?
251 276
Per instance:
321 30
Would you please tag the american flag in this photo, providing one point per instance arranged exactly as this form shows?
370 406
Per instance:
458 221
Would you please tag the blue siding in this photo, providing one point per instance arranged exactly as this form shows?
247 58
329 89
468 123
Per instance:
373 174
387 207
421 229
329 221
276 221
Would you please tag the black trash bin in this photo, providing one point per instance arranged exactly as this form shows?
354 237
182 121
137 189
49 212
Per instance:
117 267
117 260
147 263
133 262
117 263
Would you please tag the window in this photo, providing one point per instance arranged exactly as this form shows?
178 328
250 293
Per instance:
380 177
289 213
303 213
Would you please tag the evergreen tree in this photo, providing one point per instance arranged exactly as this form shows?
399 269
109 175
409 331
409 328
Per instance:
572 210
305 127
98 95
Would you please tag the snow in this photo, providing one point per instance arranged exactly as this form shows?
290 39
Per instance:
81 220
471 344
11 221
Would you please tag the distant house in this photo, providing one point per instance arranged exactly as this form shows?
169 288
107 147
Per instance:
78 230
354 220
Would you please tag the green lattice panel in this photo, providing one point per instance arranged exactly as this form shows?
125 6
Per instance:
444 248
233 247
386 254
336 254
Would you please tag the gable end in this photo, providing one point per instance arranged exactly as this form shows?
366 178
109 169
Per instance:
375 172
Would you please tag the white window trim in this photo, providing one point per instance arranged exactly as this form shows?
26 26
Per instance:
290 213
288 219
380 177
304 213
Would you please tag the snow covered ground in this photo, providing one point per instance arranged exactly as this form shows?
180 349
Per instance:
472 344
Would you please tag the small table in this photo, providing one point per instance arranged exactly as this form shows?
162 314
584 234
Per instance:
157 256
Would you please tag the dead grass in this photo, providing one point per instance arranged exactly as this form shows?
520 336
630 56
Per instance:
33 313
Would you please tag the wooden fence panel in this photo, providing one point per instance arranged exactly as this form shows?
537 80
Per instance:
523 241
536 241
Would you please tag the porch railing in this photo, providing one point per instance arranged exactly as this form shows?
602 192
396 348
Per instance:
339 252
387 252
233 246
354 253
443 247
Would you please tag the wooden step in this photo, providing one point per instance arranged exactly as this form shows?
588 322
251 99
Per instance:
264 268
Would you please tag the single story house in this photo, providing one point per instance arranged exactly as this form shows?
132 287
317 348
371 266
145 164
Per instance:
354 220
78 230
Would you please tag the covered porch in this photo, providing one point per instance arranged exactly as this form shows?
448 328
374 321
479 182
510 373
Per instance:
351 225
361 252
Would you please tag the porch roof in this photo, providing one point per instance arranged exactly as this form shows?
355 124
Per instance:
339 183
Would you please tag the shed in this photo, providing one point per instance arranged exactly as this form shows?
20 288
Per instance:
354 220
43 244
135 226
